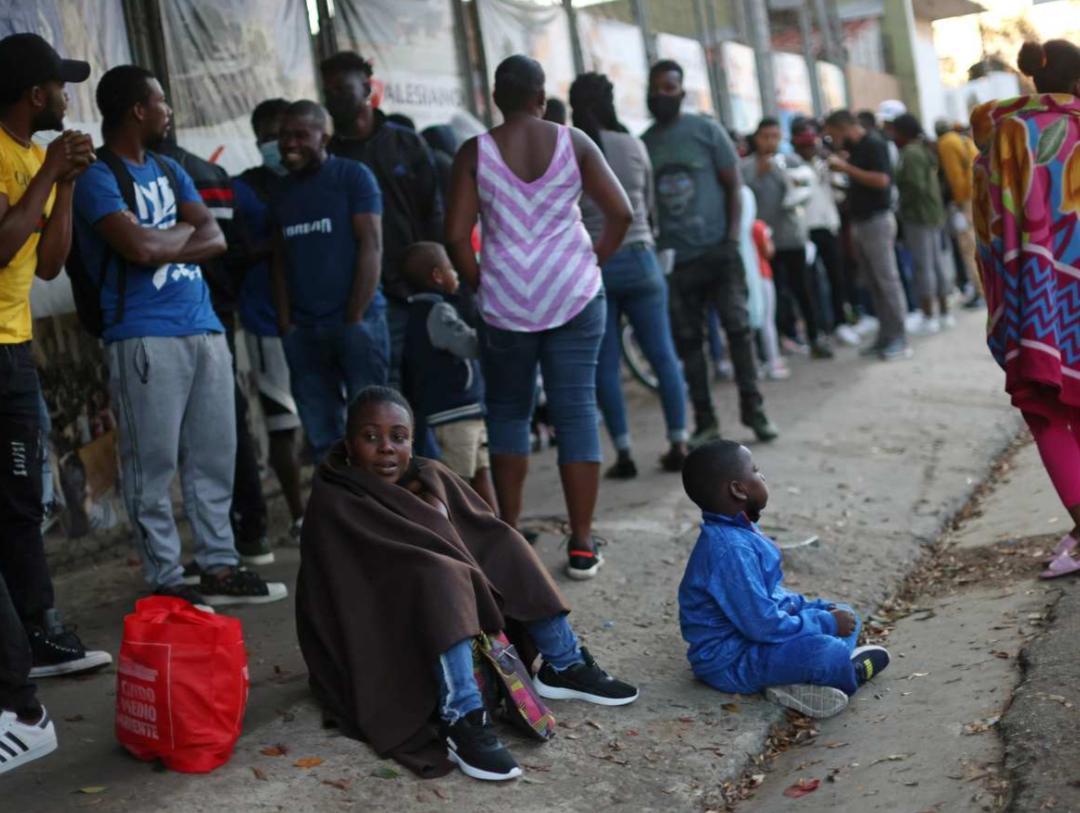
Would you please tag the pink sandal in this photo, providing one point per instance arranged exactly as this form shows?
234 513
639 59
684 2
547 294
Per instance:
1062 565
1064 545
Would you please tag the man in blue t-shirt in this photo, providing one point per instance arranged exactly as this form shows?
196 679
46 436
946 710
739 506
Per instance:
170 370
255 305
325 275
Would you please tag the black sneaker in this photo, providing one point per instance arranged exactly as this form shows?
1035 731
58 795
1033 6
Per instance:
192 573
869 662
583 564
583 681
235 585
57 650
472 744
673 459
821 350
764 429
187 593
623 469
255 553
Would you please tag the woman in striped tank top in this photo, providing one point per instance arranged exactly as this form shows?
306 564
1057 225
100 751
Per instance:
539 289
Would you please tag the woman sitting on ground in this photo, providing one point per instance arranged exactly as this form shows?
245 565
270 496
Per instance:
402 566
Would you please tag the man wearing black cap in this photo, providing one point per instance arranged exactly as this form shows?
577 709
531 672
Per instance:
36 187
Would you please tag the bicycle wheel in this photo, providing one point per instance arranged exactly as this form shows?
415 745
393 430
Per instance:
635 359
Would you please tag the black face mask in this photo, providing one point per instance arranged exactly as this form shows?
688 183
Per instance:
665 109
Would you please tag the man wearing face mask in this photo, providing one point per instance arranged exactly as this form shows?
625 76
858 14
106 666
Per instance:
254 188
403 166
697 192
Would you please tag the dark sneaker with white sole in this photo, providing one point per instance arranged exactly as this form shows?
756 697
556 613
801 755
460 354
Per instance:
57 650
818 702
583 681
471 743
869 662
192 573
21 743
583 565
188 594
255 553
235 585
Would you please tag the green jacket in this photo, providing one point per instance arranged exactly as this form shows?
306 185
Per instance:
920 190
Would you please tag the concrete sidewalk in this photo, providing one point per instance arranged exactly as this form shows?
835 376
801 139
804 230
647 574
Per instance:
873 459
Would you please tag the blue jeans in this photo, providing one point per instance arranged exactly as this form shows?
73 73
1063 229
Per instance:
635 286
823 660
328 364
458 692
567 358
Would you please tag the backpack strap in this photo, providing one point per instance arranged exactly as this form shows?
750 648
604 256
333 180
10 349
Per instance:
127 191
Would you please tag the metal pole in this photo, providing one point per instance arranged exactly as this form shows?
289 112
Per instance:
721 93
806 33
641 17
575 37
461 37
326 43
146 33
757 19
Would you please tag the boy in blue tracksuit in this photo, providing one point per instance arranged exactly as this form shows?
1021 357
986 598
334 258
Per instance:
746 632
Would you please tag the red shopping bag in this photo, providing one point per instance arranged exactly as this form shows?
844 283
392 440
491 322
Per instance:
181 686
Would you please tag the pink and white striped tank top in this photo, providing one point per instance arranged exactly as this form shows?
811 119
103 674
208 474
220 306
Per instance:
537 266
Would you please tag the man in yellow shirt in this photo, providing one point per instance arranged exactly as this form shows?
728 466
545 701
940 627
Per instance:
35 236
957 154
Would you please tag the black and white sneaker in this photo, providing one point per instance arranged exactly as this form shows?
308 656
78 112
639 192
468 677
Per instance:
818 702
869 662
255 553
235 585
57 650
583 681
188 594
472 744
583 564
24 742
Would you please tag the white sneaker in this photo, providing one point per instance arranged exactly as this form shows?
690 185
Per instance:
846 334
818 702
922 326
865 326
948 321
777 372
24 742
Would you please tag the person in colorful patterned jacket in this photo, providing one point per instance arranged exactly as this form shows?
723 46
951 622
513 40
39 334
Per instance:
1027 221
539 288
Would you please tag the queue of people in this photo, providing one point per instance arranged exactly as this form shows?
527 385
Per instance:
345 267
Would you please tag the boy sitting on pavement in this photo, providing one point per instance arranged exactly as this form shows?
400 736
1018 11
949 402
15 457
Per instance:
442 369
746 632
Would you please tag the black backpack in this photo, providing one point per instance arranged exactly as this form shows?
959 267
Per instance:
86 284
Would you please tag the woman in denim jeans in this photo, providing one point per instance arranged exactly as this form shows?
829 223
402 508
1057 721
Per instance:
633 281
539 289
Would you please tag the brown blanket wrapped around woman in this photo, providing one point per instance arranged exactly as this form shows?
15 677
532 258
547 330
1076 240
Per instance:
387 584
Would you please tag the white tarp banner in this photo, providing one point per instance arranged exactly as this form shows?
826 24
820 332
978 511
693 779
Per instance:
538 29
617 49
690 54
833 87
742 81
793 93
413 46
226 56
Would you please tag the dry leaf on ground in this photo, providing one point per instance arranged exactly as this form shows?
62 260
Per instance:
308 762
801 788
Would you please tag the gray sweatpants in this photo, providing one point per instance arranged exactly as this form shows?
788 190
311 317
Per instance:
173 398
928 256
875 251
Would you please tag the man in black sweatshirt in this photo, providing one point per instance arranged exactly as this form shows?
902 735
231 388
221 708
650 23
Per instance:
403 166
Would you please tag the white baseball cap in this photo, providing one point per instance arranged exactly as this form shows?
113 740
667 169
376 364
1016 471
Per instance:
890 109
